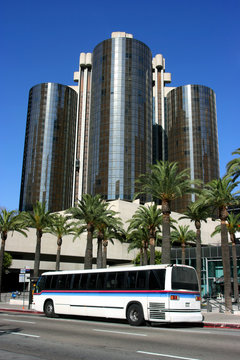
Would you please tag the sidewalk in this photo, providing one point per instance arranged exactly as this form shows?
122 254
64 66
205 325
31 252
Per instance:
211 319
222 320
17 307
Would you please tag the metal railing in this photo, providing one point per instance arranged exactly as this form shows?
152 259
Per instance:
212 305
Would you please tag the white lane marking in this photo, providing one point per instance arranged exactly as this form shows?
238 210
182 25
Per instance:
119 332
166 355
20 321
21 334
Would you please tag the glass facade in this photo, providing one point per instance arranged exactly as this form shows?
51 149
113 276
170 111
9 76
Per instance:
212 268
120 138
48 161
192 134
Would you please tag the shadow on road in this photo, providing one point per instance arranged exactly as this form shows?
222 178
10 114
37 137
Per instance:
123 321
9 330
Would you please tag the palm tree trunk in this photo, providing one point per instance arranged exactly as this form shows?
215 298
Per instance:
183 254
141 257
104 256
3 237
59 244
99 251
226 260
88 252
152 250
37 253
145 255
198 253
235 274
166 247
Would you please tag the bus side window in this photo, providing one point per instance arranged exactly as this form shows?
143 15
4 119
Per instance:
69 281
111 281
141 280
83 283
76 281
153 281
61 281
100 281
54 281
131 279
92 281
160 274
120 280
48 282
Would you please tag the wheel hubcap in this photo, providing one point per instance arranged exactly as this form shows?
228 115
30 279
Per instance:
134 315
49 308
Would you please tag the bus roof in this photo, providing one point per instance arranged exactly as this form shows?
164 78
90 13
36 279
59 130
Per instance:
113 269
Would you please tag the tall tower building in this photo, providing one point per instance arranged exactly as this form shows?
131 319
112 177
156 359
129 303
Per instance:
160 79
192 134
122 116
84 79
120 134
48 161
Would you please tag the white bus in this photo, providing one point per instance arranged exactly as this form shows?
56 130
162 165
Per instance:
157 293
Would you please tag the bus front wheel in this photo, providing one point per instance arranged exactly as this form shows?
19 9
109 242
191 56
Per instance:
135 315
49 308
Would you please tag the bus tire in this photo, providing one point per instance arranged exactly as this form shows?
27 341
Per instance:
135 315
49 308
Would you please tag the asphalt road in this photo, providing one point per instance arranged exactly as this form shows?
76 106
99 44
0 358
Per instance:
35 337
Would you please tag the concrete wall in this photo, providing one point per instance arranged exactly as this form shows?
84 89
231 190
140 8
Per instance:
75 250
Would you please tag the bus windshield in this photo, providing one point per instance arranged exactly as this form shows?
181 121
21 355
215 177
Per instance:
184 278
40 284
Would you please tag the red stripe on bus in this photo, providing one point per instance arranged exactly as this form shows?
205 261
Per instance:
119 291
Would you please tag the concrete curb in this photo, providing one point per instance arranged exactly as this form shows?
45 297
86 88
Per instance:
25 311
221 325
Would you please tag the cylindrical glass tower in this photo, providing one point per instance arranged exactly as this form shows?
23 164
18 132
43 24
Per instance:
48 162
192 134
120 140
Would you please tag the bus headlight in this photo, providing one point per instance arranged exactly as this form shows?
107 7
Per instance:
174 297
198 298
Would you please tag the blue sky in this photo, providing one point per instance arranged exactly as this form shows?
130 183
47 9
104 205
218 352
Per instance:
41 42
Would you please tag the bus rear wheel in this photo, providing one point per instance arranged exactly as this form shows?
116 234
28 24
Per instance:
49 308
135 315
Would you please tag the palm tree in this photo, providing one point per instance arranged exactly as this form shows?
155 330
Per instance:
219 194
88 211
233 223
197 212
166 183
139 239
60 227
7 261
9 221
40 219
183 236
107 223
110 234
149 218
233 166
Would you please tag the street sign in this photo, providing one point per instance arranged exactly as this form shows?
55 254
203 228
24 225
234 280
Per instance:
22 276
